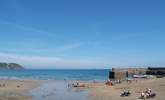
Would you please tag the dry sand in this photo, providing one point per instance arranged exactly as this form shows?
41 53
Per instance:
16 89
100 91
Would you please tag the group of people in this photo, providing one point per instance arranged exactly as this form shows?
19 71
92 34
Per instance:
76 84
125 93
148 93
109 83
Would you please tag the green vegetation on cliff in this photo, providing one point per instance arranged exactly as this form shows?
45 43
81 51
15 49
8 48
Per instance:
10 66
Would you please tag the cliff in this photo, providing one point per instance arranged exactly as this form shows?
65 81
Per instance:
10 66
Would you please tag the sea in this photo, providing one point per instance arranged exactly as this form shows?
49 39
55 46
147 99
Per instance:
56 74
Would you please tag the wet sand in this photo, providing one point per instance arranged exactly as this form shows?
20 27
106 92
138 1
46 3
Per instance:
58 90
16 89
100 91
39 90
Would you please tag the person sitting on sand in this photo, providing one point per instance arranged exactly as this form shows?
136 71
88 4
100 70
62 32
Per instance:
150 93
128 92
75 84
78 85
143 95
147 95
125 93
148 90
109 82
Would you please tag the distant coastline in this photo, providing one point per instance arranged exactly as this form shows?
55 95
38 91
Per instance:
10 66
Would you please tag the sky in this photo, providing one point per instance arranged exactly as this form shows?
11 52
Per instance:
82 33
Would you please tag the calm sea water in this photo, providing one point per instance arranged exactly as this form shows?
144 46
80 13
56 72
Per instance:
99 74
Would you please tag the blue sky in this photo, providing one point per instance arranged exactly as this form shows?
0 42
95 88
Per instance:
82 33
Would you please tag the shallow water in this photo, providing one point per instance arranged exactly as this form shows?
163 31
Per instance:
58 90
61 74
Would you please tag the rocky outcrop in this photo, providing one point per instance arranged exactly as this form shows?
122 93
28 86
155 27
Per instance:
10 66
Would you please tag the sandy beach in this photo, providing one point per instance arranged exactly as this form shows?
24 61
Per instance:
16 89
100 91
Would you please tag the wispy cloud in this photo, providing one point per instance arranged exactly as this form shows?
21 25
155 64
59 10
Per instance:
35 45
69 47
28 60
25 28
57 49
50 62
